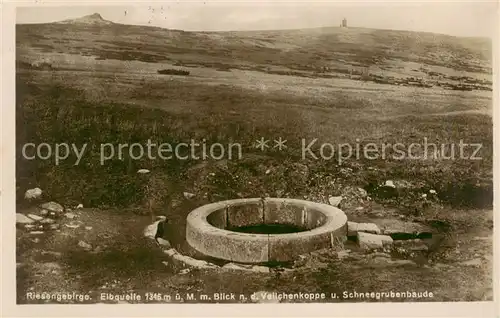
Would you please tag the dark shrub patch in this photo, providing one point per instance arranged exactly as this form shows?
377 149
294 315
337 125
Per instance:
173 72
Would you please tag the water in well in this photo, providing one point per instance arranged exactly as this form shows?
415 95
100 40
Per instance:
268 229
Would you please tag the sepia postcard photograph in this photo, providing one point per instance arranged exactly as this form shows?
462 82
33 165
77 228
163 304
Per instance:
181 154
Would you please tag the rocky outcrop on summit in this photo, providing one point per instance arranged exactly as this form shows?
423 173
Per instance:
92 19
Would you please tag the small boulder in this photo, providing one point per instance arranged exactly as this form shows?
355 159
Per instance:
70 215
84 245
367 241
151 230
362 193
402 229
23 219
390 184
36 232
72 225
260 269
47 221
403 184
334 201
52 207
35 217
54 226
163 242
188 195
143 171
353 228
237 266
79 206
43 212
33 194
476 262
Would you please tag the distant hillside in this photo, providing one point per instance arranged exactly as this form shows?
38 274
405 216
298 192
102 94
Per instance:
333 49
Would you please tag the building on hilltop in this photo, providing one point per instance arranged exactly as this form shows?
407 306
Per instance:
344 23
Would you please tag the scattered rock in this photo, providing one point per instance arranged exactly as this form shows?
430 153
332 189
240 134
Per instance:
151 230
379 254
384 261
52 207
432 191
268 171
403 184
88 228
442 266
23 219
55 254
163 242
54 226
260 269
184 271
29 226
72 225
343 254
367 241
70 215
415 245
360 208
362 193
482 238
188 195
35 217
35 240
47 221
79 206
237 266
334 201
85 245
353 228
36 232
33 194
43 212
143 171
244 267
399 229
424 195
189 261
390 184
476 262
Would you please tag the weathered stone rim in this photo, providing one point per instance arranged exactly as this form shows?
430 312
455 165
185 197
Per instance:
260 248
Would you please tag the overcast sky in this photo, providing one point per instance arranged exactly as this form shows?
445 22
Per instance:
454 18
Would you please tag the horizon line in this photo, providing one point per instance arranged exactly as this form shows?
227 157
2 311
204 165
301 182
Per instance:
254 30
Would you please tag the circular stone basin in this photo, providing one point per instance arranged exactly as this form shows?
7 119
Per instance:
264 230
